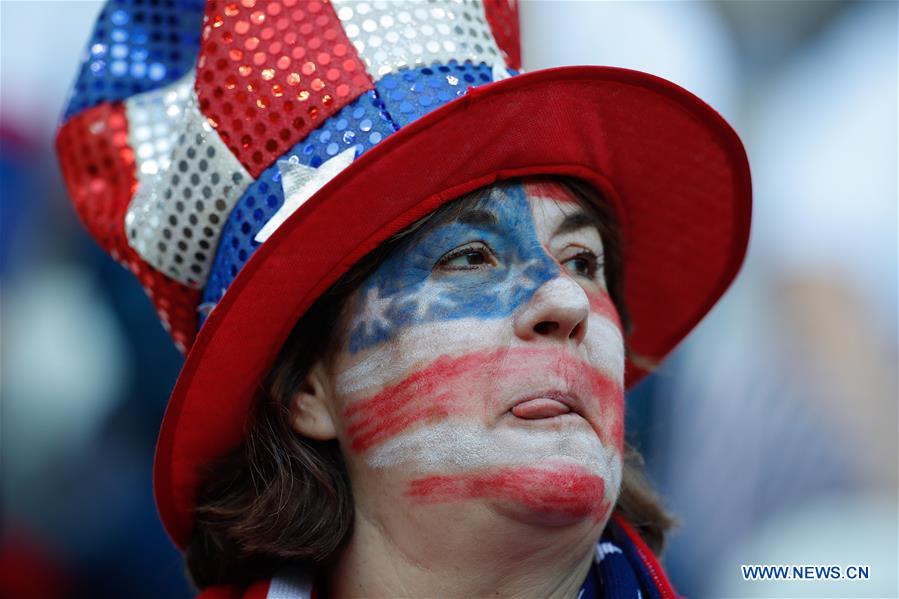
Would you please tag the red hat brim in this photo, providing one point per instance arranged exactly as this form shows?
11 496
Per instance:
673 169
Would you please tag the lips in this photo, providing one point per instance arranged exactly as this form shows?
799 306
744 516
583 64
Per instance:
540 407
545 405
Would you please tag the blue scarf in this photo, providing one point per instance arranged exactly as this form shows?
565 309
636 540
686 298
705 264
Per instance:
624 567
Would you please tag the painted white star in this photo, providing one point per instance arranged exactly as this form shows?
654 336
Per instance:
430 295
514 281
374 310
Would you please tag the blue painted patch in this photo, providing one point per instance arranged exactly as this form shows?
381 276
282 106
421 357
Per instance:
405 290
362 123
137 47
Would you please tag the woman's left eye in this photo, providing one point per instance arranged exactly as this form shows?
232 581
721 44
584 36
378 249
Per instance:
583 264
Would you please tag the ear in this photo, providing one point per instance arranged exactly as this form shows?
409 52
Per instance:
310 407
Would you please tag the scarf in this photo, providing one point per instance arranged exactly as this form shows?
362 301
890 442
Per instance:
625 567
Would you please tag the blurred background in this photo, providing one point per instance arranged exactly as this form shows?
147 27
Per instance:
771 432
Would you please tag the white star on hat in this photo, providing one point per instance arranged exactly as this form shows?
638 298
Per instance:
301 182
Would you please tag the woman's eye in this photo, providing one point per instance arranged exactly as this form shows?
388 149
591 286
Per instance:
469 257
584 264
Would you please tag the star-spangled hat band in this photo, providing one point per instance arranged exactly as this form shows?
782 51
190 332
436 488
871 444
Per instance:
240 156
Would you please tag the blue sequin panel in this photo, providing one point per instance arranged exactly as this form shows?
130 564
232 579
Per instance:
137 46
411 94
362 124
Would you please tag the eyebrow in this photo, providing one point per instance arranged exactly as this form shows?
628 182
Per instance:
575 222
478 217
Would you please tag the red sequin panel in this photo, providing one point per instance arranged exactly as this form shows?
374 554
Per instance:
503 18
99 171
270 71
176 304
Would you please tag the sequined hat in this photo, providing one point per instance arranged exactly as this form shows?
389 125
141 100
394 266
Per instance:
240 156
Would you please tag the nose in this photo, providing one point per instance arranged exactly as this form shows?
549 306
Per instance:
558 309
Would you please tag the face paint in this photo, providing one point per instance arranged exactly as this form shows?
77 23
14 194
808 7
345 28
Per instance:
460 449
549 190
434 364
562 493
601 304
466 446
605 349
404 291
495 379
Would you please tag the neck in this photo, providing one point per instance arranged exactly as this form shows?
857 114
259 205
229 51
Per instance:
490 556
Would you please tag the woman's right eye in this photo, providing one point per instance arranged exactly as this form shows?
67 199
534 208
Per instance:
471 256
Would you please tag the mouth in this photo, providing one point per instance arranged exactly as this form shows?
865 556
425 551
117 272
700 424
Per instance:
545 405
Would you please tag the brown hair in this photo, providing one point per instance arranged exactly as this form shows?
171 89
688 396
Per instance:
280 498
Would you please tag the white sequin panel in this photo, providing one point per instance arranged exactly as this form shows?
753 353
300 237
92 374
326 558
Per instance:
176 218
392 34
152 125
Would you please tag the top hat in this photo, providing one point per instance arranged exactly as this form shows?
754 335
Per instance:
240 156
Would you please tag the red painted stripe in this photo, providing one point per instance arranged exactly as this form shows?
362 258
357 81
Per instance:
601 303
563 490
548 189
445 387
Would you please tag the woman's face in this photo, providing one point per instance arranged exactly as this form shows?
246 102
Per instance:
482 366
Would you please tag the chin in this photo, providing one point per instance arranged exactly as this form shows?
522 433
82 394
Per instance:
556 493
592 515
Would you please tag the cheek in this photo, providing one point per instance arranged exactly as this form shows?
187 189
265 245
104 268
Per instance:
477 386
363 375
601 305
605 351
446 386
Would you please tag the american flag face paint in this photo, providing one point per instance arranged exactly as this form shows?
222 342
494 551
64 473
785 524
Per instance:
484 362
562 493
406 292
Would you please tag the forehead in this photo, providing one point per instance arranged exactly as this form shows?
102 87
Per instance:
550 202
547 198
541 208
543 204
549 189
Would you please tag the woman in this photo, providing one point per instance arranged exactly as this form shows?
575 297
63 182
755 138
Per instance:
446 417
472 368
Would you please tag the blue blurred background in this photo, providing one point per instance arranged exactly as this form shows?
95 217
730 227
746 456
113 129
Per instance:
771 432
